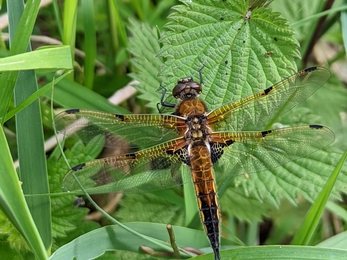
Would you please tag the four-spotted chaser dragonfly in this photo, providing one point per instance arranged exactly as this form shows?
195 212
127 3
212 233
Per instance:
197 139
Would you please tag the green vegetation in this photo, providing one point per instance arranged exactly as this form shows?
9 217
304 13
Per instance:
243 48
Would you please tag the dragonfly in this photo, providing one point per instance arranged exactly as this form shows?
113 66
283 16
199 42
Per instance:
160 144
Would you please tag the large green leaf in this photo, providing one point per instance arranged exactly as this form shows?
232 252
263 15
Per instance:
144 46
241 52
64 214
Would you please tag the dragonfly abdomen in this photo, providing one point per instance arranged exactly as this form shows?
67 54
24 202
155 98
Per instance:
206 194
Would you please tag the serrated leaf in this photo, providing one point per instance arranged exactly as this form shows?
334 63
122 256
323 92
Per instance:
64 214
241 52
148 207
264 190
144 46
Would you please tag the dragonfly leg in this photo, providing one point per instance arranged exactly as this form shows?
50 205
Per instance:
162 102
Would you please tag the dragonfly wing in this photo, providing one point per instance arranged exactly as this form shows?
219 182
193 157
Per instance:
259 109
250 152
147 170
141 131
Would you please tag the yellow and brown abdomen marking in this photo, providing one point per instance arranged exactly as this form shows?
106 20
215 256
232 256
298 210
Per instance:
205 190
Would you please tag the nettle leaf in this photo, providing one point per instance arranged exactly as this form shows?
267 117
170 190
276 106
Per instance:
64 214
148 207
144 46
304 176
241 50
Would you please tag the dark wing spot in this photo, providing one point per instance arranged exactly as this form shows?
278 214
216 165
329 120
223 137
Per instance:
78 167
229 142
265 133
316 126
121 117
266 91
131 155
72 111
310 69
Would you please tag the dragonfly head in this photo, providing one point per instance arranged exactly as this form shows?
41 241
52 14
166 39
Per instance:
186 88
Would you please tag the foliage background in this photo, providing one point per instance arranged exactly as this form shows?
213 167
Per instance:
114 42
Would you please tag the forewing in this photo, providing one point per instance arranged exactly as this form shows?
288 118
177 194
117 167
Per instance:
144 171
250 152
259 109
140 131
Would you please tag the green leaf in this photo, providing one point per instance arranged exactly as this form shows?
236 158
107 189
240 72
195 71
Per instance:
90 42
29 131
19 43
279 252
64 214
149 207
338 241
43 58
34 97
239 55
116 238
13 203
344 25
259 50
250 197
144 46
296 11
333 93
67 94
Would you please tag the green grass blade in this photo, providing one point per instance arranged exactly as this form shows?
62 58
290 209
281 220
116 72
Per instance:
279 253
69 26
43 58
32 161
338 241
13 203
57 17
344 24
90 42
34 97
19 39
319 15
119 22
190 203
304 234
31 155
67 94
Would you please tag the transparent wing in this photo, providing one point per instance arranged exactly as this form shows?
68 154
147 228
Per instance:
259 109
141 131
250 152
147 170
237 152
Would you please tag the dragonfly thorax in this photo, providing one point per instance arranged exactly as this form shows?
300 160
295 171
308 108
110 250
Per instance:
197 128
